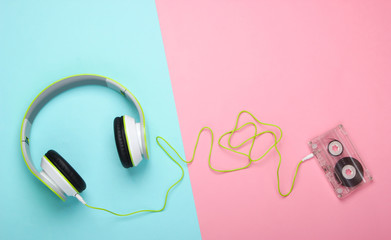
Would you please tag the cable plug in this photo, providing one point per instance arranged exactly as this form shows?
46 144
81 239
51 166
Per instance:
309 156
80 198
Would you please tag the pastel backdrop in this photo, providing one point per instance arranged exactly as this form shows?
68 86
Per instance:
305 66
43 41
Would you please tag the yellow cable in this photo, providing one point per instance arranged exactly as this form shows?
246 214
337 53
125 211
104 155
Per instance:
248 155
229 148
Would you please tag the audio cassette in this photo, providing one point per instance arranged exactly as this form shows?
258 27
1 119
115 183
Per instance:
340 162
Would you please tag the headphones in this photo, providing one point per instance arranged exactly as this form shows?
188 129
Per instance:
57 174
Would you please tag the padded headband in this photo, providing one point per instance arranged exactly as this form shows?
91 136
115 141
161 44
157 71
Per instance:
58 87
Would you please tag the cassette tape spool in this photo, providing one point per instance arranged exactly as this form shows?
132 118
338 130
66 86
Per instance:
339 160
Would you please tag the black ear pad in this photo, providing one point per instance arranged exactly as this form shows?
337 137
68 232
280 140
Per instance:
67 170
120 141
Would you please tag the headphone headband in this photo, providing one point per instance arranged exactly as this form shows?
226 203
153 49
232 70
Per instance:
55 89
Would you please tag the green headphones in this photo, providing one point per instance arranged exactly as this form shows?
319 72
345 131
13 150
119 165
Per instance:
57 173
130 138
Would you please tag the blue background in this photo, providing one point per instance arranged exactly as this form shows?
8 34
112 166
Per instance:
43 41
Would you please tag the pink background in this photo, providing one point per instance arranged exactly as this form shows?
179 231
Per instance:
305 66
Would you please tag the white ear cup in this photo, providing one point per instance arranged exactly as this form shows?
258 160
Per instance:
141 134
55 177
143 139
133 139
52 185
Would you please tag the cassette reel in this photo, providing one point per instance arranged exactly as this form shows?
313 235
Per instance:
340 161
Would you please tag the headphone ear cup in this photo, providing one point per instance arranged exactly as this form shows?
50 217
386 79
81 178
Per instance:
133 138
121 143
62 171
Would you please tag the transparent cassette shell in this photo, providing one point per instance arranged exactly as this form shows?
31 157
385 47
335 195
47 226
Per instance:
340 162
